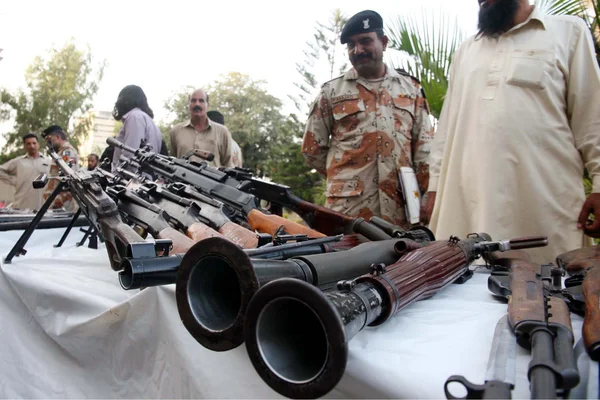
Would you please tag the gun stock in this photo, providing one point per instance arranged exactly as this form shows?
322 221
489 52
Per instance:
591 321
586 262
271 223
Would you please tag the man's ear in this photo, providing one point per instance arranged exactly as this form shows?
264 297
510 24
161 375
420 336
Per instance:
384 41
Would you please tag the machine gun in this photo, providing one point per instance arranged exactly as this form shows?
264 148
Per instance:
187 206
123 244
241 204
297 336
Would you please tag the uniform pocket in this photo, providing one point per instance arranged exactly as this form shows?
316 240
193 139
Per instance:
347 114
404 114
340 188
530 68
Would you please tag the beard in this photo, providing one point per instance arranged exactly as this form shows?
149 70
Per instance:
498 17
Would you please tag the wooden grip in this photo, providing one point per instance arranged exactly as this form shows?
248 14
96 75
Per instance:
571 259
117 236
200 231
239 235
527 300
591 321
270 223
181 243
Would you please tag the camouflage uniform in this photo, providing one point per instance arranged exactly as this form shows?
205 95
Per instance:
359 137
64 199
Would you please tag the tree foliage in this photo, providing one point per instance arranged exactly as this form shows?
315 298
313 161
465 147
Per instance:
59 88
325 45
429 40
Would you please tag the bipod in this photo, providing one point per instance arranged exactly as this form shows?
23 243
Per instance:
71 224
18 249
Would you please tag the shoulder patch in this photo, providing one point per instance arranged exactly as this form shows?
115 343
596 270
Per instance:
331 80
403 72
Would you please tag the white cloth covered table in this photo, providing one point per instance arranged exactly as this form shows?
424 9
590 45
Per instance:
68 330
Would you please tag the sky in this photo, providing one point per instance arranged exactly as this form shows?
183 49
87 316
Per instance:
165 45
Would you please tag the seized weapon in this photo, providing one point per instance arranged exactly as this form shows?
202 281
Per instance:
418 233
216 281
297 336
501 370
540 320
123 244
181 199
241 196
583 267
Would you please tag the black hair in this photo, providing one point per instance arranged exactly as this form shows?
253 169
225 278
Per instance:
54 129
29 136
130 97
216 116
94 155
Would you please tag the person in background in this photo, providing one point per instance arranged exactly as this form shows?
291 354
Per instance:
92 162
236 152
200 133
63 148
138 127
21 171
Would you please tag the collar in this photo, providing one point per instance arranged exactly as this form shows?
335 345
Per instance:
352 75
537 14
40 155
189 123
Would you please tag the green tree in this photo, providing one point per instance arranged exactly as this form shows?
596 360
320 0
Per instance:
325 44
252 115
286 164
60 88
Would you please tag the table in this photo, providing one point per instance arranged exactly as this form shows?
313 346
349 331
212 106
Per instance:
68 330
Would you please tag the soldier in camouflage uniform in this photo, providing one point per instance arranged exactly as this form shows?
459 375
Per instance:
365 125
68 153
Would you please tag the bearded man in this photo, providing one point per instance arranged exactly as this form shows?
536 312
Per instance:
520 123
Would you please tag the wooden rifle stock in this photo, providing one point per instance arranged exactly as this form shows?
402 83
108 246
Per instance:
118 236
240 235
271 223
542 324
586 262
181 243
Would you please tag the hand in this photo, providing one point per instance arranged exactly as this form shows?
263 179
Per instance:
427 207
591 206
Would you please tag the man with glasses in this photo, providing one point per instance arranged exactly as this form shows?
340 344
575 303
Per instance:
367 124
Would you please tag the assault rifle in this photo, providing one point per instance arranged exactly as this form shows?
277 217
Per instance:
241 193
540 319
198 216
123 244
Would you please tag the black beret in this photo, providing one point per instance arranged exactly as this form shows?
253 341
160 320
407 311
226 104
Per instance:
363 22
51 129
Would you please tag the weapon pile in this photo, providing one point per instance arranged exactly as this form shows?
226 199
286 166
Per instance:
298 293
